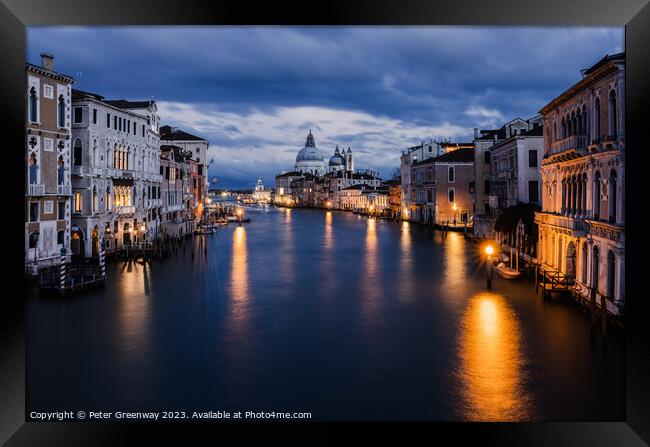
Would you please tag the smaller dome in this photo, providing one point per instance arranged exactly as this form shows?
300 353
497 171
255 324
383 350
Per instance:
336 160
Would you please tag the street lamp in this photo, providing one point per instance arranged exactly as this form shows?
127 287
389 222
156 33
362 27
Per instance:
329 204
371 209
488 251
239 213
453 207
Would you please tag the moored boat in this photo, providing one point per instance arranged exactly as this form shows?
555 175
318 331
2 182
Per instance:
506 272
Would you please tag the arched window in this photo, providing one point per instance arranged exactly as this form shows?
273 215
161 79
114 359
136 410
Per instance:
451 174
585 257
563 130
61 171
612 113
33 105
76 155
584 120
573 124
452 195
578 123
78 205
60 237
33 169
611 275
597 119
597 195
61 111
107 198
611 196
595 271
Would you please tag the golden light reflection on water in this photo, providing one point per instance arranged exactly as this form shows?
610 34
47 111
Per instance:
239 266
406 281
492 368
134 308
455 263
329 231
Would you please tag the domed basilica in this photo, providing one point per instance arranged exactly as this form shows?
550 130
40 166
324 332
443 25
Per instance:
311 160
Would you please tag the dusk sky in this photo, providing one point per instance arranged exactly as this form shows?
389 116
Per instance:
254 92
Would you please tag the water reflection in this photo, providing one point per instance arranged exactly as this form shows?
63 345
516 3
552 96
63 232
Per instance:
492 367
329 231
371 281
134 312
406 281
286 266
455 262
239 287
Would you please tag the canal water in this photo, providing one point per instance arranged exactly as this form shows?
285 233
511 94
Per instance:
346 317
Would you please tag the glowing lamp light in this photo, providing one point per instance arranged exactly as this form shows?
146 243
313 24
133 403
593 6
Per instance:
239 212
489 250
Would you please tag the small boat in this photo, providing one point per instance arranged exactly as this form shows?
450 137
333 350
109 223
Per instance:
506 272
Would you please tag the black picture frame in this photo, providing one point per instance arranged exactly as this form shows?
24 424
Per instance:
15 15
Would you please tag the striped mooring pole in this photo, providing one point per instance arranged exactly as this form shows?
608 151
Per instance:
62 271
102 258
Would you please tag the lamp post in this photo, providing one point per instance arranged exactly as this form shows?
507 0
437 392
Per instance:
488 267
239 214
453 208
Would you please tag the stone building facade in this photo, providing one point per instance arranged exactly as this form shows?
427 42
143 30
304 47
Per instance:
516 165
454 183
176 214
582 222
422 198
47 152
196 146
115 173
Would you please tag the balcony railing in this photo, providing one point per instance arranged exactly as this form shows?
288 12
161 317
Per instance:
77 170
63 190
99 172
36 190
572 142
569 223
121 210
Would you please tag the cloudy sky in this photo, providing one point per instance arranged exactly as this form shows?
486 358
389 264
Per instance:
254 92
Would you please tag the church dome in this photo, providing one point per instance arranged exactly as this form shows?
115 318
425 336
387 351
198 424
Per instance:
337 159
310 152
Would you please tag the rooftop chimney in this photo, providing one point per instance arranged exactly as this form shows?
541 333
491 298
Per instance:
47 61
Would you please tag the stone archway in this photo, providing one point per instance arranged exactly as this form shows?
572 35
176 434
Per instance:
77 242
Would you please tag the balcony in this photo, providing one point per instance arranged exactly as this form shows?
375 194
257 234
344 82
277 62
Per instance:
36 190
124 210
63 190
575 225
123 173
577 142
78 170
99 172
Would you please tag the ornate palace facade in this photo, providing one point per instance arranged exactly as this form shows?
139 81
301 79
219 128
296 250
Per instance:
582 222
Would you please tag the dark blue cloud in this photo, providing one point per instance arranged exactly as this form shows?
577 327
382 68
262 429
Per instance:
423 76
